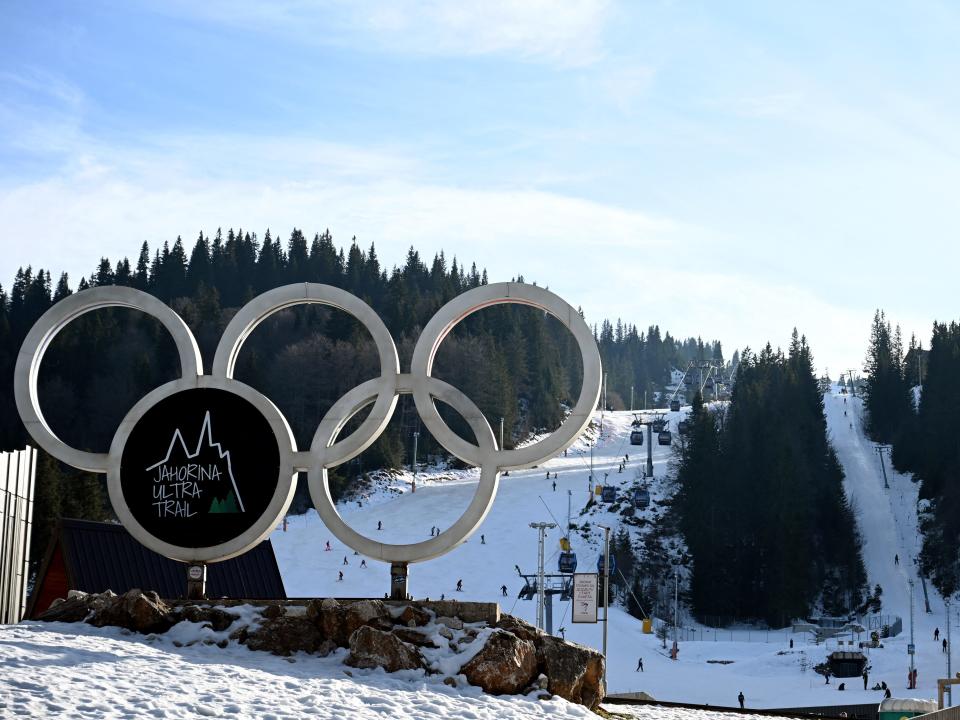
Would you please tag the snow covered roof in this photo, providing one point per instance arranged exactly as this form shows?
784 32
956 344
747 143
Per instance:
913 704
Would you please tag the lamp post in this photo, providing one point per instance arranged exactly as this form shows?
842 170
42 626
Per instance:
606 594
416 436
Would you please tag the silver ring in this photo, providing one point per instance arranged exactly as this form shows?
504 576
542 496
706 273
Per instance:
52 322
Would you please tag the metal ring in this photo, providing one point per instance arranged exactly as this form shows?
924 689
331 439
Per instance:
463 528
262 526
52 322
460 307
262 306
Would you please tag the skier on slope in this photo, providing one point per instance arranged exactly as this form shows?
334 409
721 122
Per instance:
460 585
503 590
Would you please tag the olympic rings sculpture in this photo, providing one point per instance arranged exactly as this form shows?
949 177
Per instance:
326 449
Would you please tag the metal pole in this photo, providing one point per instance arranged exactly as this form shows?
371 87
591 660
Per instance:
631 398
591 467
949 653
883 467
606 595
649 450
676 594
541 529
501 434
416 436
912 647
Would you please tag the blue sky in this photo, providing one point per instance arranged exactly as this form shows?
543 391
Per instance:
725 169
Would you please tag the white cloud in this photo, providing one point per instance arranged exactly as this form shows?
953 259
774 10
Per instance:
567 32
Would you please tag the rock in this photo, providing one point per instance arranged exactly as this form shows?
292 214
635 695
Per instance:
134 610
452 682
338 622
451 622
274 611
505 665
414 637
285 635
446 633
523 630
370 648
574 672
415 615
215 618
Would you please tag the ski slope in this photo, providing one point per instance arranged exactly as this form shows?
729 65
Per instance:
771 674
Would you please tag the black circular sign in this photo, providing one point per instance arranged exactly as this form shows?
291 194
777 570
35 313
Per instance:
200 468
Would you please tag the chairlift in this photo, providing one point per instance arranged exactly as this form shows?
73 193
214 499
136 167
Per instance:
568 563
565 544
659 424
664 437
683 427
674 405
528 591
636 437
641 497
609 494
600 564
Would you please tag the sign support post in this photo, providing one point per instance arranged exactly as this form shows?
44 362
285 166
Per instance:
398 581
197 581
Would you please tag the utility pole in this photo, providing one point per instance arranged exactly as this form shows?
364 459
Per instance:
416 436
591 467
911 648
631 398
606 594
566 530
541 529
649 450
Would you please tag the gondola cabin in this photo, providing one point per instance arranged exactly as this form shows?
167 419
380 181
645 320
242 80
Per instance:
641 497
568 563
636 437
609 494
659 424
683 427
674 406
664 437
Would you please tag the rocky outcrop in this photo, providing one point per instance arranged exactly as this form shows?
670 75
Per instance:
370 648
573 671
505 666
515 657
134 610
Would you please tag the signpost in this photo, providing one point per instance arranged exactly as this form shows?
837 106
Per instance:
585 597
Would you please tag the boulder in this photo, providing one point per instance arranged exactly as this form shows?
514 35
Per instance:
136 610
413 616
574 672
338 622
215 618
371 648
284 635
523 630
77 606
414 637
505 666
451 622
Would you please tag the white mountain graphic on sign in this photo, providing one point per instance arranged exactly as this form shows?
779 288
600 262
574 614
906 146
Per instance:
198 473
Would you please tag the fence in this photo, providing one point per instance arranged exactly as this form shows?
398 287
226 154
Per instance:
17 472
708 634
950 713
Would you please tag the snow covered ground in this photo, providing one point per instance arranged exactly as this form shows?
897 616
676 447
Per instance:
77 671
770 674
84 672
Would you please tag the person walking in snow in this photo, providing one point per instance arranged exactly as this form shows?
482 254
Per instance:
328 548
483 540
379 525
865 679
896 559
639 665
741 699
363 563
340 579
345 560
944 644
460 585
503 590
548 474
936 634
554 485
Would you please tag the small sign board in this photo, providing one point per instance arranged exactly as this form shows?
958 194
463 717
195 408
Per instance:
910 649
585 597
